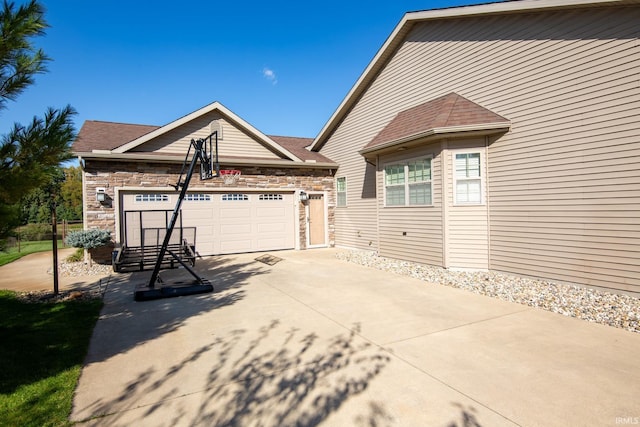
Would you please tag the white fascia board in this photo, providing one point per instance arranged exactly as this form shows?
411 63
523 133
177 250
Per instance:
151 158
400 31
497 126
204 110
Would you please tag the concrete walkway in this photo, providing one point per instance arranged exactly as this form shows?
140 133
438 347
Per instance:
33 273
316 341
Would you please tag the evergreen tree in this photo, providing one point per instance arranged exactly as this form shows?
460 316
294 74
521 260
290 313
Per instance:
30 154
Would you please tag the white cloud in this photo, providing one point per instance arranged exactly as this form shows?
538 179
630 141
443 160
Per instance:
270 75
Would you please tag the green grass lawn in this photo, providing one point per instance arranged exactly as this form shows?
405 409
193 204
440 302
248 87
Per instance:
26 248
42 351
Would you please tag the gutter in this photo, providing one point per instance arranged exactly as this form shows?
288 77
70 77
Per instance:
138 157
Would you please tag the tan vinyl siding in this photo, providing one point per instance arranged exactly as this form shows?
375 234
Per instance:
356 223
564 200
413 233
234 142
468 226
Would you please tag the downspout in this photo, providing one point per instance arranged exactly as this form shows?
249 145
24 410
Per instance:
84 193
377 206
444 160
487 201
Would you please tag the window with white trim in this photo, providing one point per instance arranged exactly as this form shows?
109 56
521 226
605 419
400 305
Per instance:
197 197
270 197
341 190
468 179
152 197
408 183
234 197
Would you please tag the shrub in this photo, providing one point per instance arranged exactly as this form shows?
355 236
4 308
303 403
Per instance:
77 256
35 232
88 239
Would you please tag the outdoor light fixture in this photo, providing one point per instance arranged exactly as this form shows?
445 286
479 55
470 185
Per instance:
304 196
101 195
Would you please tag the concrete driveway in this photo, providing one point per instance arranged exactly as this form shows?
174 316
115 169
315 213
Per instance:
32 273
316 341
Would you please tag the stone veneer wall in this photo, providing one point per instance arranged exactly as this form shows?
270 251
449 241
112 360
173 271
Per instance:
111 175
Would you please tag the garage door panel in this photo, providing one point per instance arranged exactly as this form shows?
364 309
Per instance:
235 246
271 228
204 232
230 230
265 244
195 216
271 212
233 213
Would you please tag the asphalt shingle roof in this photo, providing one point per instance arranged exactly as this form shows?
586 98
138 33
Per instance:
448 111
99 135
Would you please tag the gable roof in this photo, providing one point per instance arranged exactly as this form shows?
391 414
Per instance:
214 106
396 38
102 139
447 114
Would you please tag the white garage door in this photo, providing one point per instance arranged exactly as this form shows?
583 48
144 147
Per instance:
227 222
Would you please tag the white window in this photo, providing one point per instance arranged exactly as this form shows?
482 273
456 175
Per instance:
198 197
408 183
468 179
152 197
341 189
270 197
234 197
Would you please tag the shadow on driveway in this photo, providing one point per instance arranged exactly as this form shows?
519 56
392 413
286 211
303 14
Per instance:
124 324
279 377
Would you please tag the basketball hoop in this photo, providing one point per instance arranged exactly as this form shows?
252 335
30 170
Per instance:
230 176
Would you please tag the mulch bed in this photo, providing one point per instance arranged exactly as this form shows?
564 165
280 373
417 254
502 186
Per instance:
49 297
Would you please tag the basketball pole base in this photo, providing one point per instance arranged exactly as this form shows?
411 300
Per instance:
178 289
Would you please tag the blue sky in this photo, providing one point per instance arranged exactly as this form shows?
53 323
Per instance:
282 66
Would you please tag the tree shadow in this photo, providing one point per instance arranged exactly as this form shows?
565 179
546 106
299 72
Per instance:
274 375
377 416
125 324
467 416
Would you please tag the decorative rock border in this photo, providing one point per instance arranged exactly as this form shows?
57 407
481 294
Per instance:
75 269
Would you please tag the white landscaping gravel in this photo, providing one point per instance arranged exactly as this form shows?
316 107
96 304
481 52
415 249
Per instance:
617 310
75 269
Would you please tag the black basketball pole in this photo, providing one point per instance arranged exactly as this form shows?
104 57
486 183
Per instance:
201 152
54 230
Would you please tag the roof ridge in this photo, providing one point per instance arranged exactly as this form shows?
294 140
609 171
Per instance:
119 123
286 136
442 118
